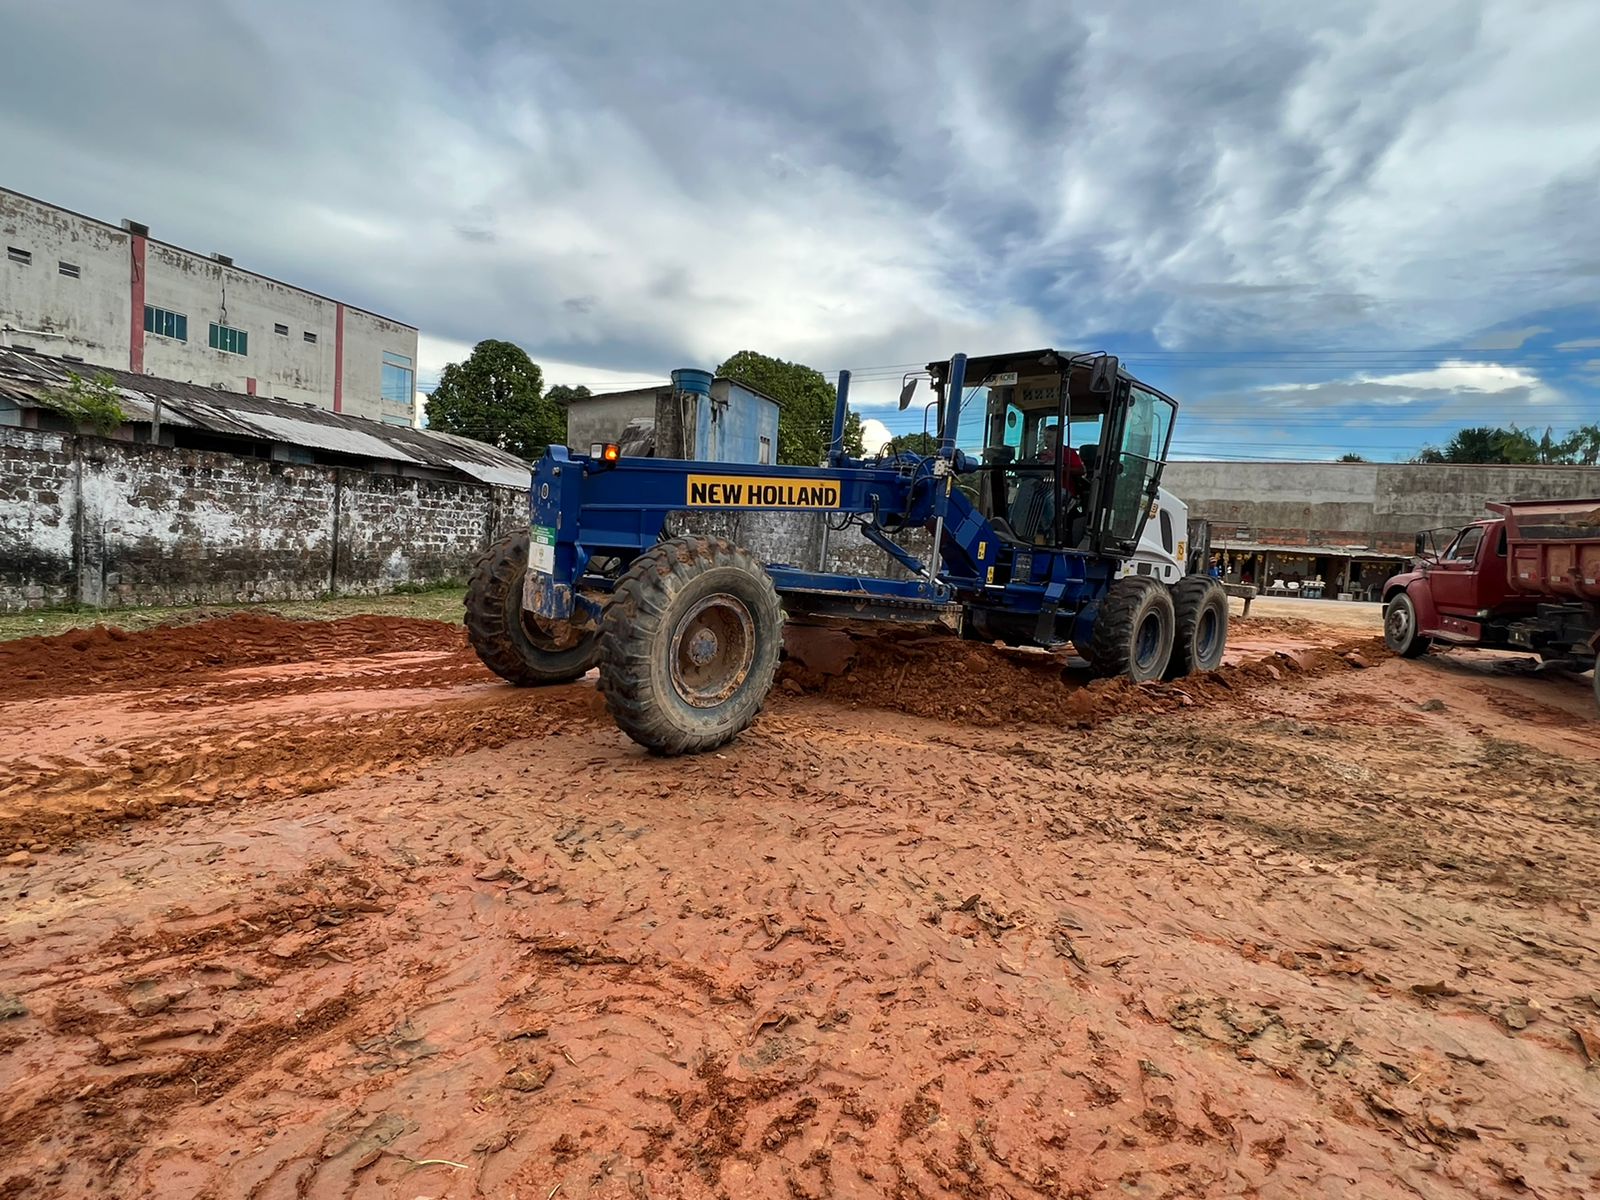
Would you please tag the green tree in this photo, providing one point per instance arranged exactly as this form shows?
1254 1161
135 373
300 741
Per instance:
913 443
1351 457
805 404
497 396
1583 446
561 395
1485 444
855 437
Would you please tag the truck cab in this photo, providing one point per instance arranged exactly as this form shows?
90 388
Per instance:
1526 579
1458 594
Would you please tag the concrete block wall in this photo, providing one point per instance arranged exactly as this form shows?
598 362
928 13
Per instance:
1382 505
112 524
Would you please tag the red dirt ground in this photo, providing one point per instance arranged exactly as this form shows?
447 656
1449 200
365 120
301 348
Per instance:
324 910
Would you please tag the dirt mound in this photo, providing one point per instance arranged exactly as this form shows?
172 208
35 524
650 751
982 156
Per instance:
1285 627
106 658
983 684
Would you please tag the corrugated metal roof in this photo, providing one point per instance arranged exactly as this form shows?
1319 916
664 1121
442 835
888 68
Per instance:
1305 551
24 376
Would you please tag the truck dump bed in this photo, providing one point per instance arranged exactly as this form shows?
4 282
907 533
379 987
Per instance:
1553 547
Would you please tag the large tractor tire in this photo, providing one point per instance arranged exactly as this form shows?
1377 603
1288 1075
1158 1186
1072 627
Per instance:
689 645
1133 634
1201 607
1400 628
512 643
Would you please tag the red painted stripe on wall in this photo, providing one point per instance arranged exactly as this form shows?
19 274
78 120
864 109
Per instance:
136 302
338 359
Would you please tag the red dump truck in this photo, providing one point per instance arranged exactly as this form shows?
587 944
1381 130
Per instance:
1527 579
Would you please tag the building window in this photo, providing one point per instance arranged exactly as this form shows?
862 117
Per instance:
310 337
166 324
23 257
398 386
766 450
70 270
229 341
281 330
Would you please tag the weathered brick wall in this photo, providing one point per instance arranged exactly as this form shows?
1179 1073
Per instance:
115 524
509 510
164 526
394 531
38 516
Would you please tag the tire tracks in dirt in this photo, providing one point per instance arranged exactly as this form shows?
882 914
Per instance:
1310 937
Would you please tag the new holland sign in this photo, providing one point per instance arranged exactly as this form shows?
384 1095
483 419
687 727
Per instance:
743 491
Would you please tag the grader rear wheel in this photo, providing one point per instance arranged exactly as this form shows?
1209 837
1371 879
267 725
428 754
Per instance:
689 645
1202 625
516 645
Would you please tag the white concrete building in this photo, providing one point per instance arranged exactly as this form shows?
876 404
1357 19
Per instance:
114 296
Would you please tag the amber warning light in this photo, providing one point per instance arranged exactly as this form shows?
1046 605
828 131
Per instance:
606 452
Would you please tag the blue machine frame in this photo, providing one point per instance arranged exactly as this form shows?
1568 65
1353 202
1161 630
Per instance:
585 510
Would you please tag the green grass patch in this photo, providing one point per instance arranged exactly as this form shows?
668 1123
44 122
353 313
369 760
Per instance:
434 604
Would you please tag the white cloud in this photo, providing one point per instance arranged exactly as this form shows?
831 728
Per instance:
1365 174
434 354
1579 344
874 434
1453 379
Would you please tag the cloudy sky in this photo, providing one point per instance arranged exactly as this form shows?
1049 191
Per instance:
1344 226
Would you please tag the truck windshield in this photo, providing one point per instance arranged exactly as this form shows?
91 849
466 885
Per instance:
1466 544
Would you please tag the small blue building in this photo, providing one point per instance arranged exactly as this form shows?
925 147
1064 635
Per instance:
700 417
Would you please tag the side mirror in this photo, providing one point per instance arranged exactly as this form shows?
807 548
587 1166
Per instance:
1103 376
907 390
1422 545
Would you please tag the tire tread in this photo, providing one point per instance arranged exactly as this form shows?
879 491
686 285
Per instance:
494 601
634 623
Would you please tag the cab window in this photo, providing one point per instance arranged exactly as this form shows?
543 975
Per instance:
1465 547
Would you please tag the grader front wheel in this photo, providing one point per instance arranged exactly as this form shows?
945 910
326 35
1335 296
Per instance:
689 645
1134 632
516 645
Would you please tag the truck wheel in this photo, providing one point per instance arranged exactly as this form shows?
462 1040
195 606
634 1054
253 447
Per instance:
1202 625
1400 628
514 644
1133 633
689 645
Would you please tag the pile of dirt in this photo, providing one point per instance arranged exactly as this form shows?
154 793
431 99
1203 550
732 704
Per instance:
106 658
981 684
1275 627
